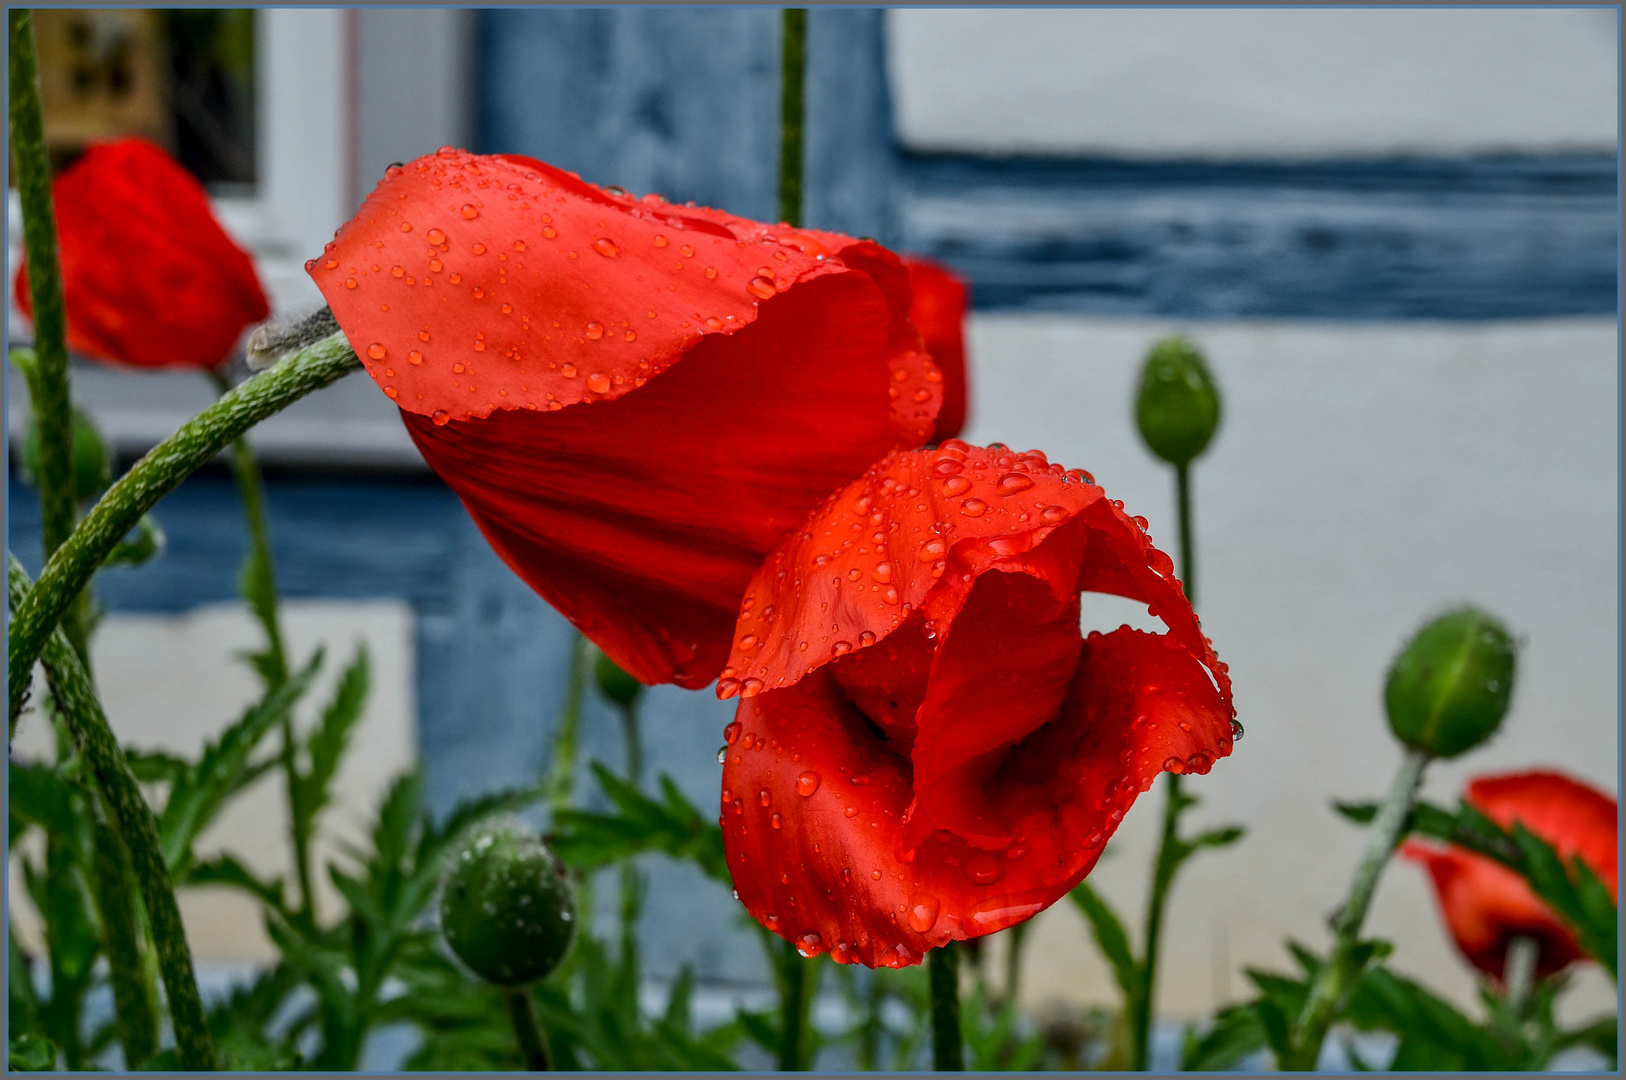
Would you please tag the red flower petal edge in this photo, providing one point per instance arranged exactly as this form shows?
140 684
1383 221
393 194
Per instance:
1485 905
927 748
149 277
736 373
937 309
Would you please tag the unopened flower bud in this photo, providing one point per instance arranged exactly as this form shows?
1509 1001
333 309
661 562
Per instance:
506 907
1177 407
1449 689
615 683
91 467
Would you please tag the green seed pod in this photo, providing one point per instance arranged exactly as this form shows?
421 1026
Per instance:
616 684
1177 407
506 908
1449 688
91 468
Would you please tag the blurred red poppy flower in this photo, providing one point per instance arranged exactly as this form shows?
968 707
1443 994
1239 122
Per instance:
736 373
148 275
938 312
928 748
1486 905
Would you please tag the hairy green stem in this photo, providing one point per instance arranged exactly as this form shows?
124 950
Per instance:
1332 981
561 781
88 727
1519 975
1143 1004
631 881
49 387
134 1011
533 1047
943 964
150 479
1015 938
792 113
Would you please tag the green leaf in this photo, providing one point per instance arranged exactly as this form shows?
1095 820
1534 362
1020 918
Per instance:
586 841
155 766
30 1053
147 544
1218 838
223 768
1110 938
327 743
226 870
40 795
1236 1034
677 1002
1275 1024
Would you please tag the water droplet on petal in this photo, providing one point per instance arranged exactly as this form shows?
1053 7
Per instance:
440 417
808 944
1013 483
376 351
469 212
1174 765
973 508
841 648
732 731
761 288
984 870
750 688
956 485
598 382
807 783
923 913
606 248
436 237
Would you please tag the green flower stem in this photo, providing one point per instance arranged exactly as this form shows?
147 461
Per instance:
1519 976
792 113
1015 938
1143 1003
260 587
1331 983
150 479
533 1046
797 977
943 964
561 781
631 881
134 1010
49 386
87 724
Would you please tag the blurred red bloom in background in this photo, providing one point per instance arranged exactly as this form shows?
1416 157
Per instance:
928 748
736 373
938 312
1486 905
148 275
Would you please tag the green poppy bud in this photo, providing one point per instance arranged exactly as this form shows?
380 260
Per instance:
1177 407
616 684
506 907
1449 688
91 468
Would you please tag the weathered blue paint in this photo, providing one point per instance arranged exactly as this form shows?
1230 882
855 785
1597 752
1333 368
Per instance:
683 102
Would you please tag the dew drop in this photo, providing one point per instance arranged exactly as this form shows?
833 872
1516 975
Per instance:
808 944
549 232
711 273
1236 731
440 417
595 331
761 288
866 639
923 914
598 382
1174 765
956 485
606 248
750 688
406 226
807 783
727 688
722 754
660 241
1013 483
841 648
469 212
568 370
436 237
973 508
376 351
984 869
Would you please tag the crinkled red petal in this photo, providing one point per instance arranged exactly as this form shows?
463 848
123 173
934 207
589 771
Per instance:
914 532
149 276
643 517
815 799
938 311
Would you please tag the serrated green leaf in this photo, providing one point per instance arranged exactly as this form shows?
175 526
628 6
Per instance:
327 742
1218 838
40 795
147 544
1110 937
1236 1034
220 772
1274 1022
226 870
586 841
30 1053
155 766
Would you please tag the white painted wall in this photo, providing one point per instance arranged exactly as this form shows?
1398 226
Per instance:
1366 476
170 682
1254 82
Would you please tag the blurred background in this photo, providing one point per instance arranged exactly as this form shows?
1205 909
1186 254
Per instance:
1393 232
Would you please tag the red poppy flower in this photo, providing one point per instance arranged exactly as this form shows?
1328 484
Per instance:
1485 904
938 311
148 275
928 748
635 401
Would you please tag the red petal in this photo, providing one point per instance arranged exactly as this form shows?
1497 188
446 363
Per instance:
814 801
149 276
914 532
470 284
938 312
1569 815
1486 905
642 518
